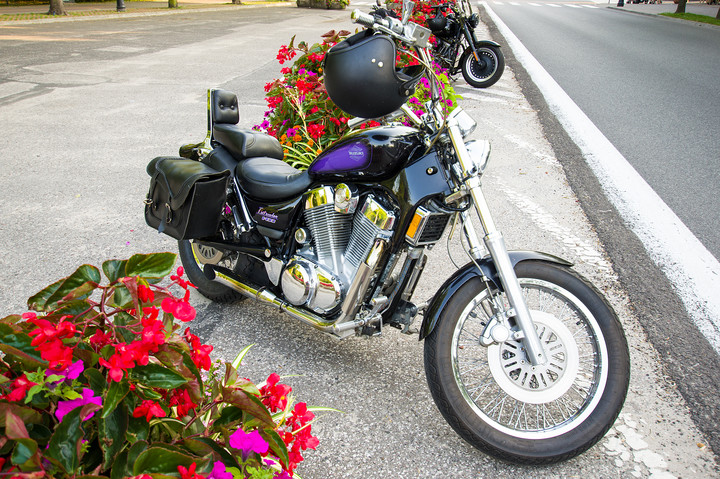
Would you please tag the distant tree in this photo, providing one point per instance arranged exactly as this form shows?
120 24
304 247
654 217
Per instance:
681 6
718 14
57 8
172 3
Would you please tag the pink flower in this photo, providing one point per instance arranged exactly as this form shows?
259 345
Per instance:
88 397
218 472
248 442
71 372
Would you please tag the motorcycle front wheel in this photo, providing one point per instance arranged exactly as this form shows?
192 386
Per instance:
497 400
485 72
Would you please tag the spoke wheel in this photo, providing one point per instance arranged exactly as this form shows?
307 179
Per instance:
495 398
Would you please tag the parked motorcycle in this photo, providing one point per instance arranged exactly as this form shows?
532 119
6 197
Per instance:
524 358
457 49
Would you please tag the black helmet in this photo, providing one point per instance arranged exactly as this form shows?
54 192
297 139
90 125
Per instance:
361 77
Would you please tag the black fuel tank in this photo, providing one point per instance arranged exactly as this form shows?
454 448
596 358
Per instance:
369 155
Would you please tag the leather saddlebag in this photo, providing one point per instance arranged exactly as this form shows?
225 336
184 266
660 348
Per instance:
186 197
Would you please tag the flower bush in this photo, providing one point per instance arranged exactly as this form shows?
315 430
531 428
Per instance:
302 116
99 381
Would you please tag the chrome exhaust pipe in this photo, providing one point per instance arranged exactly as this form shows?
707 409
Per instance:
227 278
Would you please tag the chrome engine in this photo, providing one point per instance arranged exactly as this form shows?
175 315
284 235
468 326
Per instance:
340 237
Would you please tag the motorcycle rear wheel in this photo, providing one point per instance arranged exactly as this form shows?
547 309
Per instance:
487 71
497 401
194 257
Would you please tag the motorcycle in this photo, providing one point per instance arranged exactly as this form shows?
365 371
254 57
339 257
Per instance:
525 359
481 62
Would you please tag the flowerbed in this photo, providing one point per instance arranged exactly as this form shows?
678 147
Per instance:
99 381
302 116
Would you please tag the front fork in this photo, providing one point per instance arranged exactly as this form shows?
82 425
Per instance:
495 244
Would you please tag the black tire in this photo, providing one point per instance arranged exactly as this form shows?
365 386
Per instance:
487 71
193 263
502 405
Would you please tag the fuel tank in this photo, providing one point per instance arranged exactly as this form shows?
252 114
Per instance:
374 154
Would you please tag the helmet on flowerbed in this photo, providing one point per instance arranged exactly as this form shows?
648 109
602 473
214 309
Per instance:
361 76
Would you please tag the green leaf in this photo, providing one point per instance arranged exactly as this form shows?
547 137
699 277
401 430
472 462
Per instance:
14 426
118 468
248 403
277 445
25 414
111 432
79 284
114 269
223 453
134 452
116 393
157 459
65 441
138 430
229 415
155 265
24 450
34 302
156 376
121 298
96 380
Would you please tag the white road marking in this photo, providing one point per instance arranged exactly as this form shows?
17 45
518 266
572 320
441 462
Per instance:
690 267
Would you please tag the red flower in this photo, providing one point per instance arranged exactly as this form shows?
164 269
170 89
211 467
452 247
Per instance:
145 294
199 353
274 395
20 388
274 101
120 362
153 333
47 331
316 130
100 339
316 57
149 409
56 353
181 399
284 54
180 309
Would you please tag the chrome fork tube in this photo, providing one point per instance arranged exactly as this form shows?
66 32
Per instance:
495 244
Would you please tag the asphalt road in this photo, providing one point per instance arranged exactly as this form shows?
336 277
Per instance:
589 29
85 105
649 84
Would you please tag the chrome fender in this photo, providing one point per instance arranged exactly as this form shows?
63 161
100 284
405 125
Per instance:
470 271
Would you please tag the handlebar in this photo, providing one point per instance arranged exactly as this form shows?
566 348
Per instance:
409 33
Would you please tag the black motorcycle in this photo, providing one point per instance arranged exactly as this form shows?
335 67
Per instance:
524 358
481 61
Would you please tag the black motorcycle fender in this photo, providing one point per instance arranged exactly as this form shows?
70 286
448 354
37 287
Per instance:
468 272
486 43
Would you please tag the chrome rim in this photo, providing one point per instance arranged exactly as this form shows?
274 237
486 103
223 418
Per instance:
485 68
514 397
204 254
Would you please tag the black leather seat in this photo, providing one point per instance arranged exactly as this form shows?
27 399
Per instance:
244 144
271 179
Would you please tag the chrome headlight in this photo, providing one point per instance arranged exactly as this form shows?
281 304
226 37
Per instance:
463 120
479 152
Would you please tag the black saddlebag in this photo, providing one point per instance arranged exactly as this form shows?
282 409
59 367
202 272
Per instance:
186 197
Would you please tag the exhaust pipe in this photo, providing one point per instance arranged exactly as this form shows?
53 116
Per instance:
228 278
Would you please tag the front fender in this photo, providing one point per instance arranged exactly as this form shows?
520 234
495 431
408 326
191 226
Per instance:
470 271
486 43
